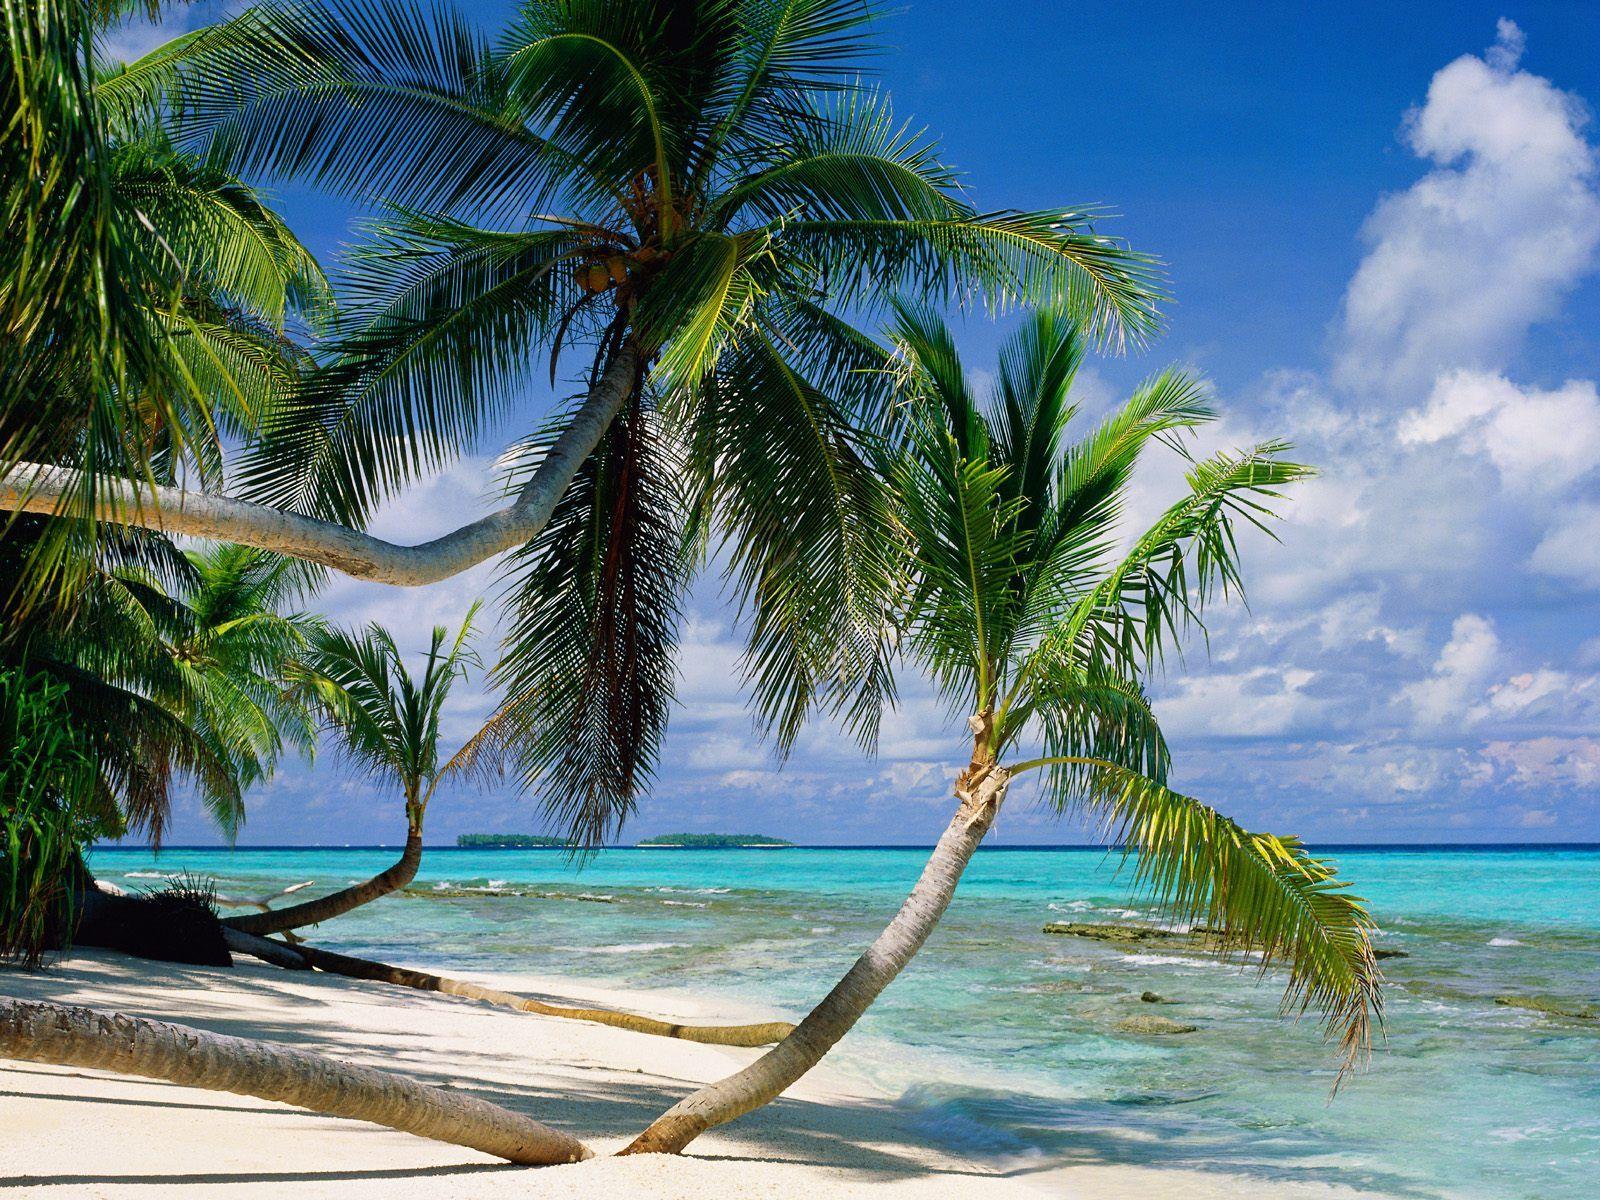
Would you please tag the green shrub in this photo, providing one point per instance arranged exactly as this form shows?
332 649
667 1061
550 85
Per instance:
48 814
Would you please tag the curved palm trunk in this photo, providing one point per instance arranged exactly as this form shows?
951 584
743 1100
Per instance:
981 790
83 1037
44 488
763 1034
325 908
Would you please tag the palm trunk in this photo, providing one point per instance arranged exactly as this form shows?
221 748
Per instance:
325 908
82 1037
360 968
982 789
51 490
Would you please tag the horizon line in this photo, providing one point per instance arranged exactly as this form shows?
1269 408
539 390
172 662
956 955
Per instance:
1008 846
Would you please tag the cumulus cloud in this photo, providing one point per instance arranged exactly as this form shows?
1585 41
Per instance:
1460 675
1546 761
1488 242
1539 441
1259 702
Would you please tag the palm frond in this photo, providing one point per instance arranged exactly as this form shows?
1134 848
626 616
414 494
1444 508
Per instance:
1033 407
934 374
844 157
1096 714
965 547
365 97
1000 259
1255 891
785 49
453 317
224 239
588 675
1180 564
809 543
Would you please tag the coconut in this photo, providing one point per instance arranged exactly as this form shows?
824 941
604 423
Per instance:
617 268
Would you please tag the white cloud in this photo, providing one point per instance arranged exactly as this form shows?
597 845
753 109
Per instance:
1532 693
1460 676
1260 702
1571 548
1546 761
1539 441
1469 686
1489 241
722 752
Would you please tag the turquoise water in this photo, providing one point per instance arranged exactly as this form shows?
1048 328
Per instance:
1000 1040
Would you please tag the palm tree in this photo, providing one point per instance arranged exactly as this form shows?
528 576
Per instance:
387 722
153 675
176 666
84 1037
704 195
1029 622
149 295
152 300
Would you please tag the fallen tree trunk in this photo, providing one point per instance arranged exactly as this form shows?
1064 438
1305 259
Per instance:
84 1037
763 1034
276 953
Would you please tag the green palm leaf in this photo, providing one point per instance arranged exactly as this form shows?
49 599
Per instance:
1258 892
588 676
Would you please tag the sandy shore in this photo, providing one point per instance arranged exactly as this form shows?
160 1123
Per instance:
71 1133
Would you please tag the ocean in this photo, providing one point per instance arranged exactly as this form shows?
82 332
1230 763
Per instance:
1000 1040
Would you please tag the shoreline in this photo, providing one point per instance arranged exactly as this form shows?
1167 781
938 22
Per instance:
829 1136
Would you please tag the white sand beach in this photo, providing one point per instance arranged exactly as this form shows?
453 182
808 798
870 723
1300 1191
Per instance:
68 1133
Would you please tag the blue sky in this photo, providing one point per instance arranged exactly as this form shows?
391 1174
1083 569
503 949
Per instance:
1382 224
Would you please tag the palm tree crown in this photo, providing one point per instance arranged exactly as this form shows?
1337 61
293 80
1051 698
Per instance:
152 297
703 193
387 719
1034 617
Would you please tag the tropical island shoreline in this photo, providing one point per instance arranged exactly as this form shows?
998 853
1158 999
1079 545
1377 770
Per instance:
830 1135
665 841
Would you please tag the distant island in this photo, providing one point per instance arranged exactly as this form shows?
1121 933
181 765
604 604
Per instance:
712 841
509 841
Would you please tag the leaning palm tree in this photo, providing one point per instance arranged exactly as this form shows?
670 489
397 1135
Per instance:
387 722
1036 628
702 195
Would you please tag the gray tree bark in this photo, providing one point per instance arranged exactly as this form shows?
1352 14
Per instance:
83 1037
42 488
982 789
